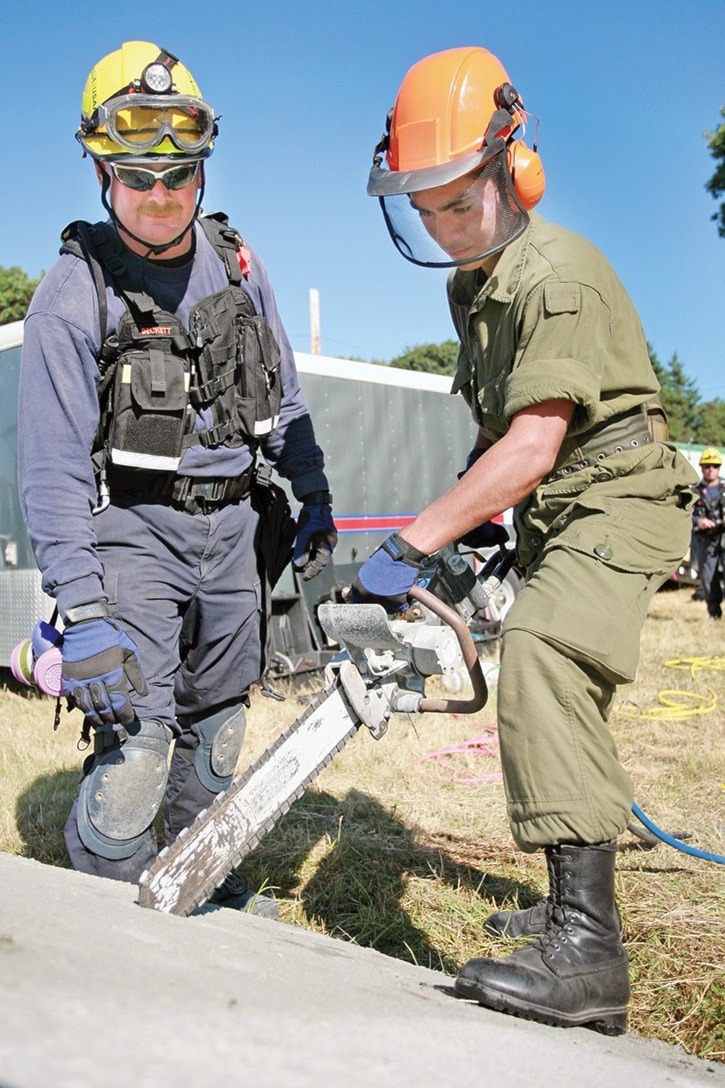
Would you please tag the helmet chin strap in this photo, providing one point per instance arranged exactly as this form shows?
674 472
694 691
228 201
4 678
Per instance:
152 251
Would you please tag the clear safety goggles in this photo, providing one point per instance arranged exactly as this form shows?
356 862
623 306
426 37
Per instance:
459 222
136 177
139 122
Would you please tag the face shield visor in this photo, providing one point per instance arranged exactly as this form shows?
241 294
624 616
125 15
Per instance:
145 124
440 221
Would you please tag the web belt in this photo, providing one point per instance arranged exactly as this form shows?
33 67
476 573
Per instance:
640 427
192 494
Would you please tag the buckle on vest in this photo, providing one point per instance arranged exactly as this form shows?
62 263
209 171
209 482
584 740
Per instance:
198 496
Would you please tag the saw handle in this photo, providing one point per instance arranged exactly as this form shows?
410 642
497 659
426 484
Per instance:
470 657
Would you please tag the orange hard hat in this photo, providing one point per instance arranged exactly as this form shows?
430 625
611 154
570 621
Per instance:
444 108
453 112
456 114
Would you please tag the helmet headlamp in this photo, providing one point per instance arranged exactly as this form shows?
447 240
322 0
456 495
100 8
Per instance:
156 79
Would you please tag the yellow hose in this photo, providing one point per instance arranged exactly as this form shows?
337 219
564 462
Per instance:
676 704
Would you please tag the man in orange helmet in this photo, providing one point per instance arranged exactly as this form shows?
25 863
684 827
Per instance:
554 365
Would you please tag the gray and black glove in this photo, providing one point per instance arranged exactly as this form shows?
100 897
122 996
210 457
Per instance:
316 535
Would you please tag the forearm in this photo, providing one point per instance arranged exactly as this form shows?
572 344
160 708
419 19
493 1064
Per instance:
508 471
496 482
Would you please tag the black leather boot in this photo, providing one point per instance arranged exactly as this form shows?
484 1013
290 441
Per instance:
521 923
575 972
518 923
527 922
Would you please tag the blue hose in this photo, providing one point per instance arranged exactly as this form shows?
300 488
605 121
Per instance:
671 841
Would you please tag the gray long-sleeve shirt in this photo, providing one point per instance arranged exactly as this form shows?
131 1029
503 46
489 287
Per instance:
59 408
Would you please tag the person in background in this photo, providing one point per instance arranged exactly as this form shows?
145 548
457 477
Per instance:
155 369
708 530
554 365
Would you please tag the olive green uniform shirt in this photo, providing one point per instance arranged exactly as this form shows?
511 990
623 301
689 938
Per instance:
553 321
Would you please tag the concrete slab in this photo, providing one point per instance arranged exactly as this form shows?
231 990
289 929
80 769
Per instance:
96 991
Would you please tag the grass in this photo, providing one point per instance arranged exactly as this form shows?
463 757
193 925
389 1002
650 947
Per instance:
407 851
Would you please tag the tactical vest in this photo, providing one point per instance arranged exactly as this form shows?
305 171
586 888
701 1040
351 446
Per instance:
157 376
713 509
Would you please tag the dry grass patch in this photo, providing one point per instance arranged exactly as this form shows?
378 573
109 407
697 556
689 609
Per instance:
391 850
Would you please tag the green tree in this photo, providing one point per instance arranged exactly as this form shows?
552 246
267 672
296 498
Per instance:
716 185
432 358
16 291
690 418
681 401
656 364
712 428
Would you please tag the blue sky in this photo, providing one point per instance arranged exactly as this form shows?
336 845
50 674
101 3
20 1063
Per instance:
624 92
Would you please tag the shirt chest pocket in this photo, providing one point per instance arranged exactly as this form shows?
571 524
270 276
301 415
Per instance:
493 350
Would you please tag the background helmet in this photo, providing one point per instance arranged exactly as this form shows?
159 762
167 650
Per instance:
456 112
711 456
141 103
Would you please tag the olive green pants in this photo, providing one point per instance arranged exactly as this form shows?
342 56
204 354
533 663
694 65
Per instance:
571 636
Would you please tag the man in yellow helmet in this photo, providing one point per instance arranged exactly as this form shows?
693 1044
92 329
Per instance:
155 367
554 365
708 527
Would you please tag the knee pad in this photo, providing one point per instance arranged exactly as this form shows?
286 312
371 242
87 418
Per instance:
220 742
123 791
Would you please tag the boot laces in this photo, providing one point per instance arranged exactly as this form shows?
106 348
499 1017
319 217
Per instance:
561 919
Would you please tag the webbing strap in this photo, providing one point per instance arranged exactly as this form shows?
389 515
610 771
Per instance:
226 241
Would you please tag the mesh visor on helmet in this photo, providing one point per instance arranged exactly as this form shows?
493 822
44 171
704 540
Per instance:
137 122
460 222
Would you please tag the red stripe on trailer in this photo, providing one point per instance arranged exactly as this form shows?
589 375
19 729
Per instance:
372 523
378 523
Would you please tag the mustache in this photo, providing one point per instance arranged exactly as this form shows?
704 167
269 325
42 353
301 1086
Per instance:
165 210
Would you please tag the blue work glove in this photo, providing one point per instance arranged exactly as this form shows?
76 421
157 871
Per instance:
316 538
100 669
386 577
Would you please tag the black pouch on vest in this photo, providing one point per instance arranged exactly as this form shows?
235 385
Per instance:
260 388
238 369
149 415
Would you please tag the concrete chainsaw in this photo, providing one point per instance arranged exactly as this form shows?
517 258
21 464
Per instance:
380 672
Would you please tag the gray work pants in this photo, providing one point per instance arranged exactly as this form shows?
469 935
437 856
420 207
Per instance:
186 589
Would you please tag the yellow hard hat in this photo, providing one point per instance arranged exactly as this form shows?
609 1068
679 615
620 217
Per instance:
711 456
140 102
